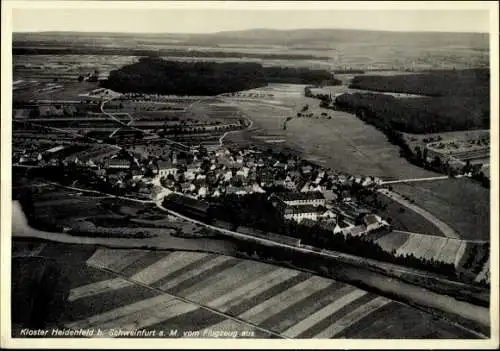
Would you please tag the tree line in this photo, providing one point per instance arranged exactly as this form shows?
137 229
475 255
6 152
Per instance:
467 82
253 210
153 75
418 115
162 52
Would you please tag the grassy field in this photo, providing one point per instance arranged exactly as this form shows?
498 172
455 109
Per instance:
142 287
67 67
404 219
343 142
461 203
70 91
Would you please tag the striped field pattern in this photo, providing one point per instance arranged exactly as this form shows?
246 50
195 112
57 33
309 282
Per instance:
439 248
208 293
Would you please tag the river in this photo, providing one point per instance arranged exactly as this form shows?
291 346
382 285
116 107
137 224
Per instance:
21 229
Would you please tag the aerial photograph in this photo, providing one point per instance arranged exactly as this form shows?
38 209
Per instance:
250 174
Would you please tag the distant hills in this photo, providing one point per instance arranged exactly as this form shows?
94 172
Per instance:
282 37
354 48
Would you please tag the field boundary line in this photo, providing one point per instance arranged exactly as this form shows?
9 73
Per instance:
442 226
180 298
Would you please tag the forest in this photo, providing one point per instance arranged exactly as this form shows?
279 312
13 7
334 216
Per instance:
418 115
157 76
467 82
450 100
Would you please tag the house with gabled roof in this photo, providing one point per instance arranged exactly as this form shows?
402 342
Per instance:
374 222
166 168
299 198
300 213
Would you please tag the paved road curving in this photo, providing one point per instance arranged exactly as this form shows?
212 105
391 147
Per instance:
443 227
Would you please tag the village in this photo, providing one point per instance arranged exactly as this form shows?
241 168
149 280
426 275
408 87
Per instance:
299 190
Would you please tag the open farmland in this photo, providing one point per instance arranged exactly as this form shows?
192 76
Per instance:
430 247
402 218
143 289
476 144
462 204
65 67
343 142
34 89
350 49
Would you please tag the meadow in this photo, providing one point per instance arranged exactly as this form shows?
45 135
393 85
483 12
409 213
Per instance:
462 204
343 142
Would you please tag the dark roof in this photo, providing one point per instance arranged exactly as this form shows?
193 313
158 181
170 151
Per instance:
309 222
165 164
301 209
118 162
357 230
187 202
370 219
292 196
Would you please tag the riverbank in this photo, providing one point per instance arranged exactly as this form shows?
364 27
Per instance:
398 290
21 229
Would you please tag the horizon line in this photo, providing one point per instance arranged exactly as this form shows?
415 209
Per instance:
255 29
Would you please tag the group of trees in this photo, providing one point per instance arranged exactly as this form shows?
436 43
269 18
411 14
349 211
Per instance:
450 101
157 76
467 82
252 210
299 75
256 212
417 115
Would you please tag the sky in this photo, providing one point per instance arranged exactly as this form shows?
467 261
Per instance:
214 20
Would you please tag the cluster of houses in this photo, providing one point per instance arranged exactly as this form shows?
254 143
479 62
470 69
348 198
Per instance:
309 208
300 191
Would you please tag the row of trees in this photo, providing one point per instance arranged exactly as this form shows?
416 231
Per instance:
256 212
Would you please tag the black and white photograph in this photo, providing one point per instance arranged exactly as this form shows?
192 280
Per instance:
237 171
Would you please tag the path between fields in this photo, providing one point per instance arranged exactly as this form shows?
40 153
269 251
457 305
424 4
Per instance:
443 227
62 131
411 180
123 124
416 294
183 299
304 248
221 139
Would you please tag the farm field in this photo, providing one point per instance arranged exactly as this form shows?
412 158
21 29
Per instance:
67 67
371 50
423 139
141 289
461 203
35 89
343 142
402 218
430 247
